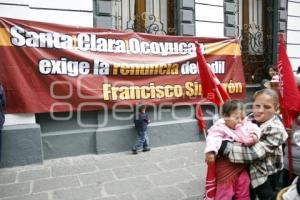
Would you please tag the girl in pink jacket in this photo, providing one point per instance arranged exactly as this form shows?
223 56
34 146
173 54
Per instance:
232 179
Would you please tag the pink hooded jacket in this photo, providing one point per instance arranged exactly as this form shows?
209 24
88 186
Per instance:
220 132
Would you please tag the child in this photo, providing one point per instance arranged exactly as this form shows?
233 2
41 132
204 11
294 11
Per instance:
141 122
232 179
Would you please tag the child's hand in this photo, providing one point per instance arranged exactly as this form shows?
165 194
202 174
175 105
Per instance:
210 157
253 139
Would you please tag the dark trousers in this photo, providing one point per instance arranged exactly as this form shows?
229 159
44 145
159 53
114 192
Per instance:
286 180
142 141
0 143
268 190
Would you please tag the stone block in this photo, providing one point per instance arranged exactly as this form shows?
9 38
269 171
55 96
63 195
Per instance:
110 163
7 177
104 7
229 31
229 7
230 20
190 4
177 163
82 193
282 4
55 183
282 26
14 189
103 21
96 178
21 145
170 177
33 174
160 194
192 188
39 196
187 16
188 29
72 170
136 170
128 186
70 143
282 15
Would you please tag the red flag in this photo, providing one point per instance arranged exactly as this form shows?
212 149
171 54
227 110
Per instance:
213 91
211 87
288 91
289 95
210 185
201 122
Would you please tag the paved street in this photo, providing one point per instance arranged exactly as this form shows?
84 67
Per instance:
164 173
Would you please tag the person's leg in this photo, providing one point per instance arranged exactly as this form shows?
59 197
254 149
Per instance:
242 186
224 192
252 193
286 178
275 181
0 144
265 191
139 141
146 142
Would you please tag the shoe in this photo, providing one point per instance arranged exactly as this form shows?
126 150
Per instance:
145 150
134 152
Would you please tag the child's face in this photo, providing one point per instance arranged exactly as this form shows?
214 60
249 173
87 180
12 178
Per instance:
264 108
235 117
272 72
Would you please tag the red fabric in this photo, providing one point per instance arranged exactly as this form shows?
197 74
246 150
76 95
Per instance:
289 93
38 78
201 122
212 89
210 185
226 171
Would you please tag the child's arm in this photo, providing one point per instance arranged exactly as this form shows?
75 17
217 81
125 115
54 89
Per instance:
146 119
248 133
213 140
254 133
252 139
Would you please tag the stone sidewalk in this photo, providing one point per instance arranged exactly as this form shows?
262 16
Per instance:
164 173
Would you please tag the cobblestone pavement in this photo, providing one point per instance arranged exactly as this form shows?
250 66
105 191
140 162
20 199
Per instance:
164 173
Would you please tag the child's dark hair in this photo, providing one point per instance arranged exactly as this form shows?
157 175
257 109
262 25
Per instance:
141 107
231 106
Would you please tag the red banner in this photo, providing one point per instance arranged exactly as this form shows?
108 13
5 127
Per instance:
48 67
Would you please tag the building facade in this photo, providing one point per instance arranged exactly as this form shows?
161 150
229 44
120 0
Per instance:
31 138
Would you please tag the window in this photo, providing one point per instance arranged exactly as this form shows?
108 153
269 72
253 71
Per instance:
148 16
251 18
252 29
